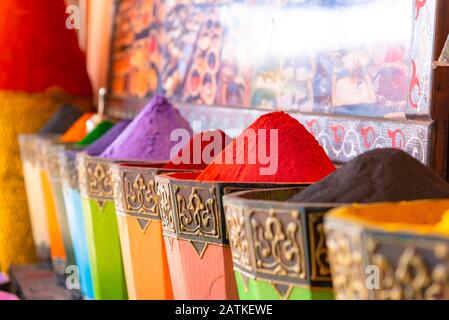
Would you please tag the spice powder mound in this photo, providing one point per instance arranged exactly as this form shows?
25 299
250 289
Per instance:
199 151
377 176
147 137
276 148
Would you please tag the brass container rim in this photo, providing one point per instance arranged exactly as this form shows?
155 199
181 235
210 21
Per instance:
392 228
243 198
135 188
190 176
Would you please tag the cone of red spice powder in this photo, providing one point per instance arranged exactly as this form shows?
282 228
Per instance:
191 156
300 159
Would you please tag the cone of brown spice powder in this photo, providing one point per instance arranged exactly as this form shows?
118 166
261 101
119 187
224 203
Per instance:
377 176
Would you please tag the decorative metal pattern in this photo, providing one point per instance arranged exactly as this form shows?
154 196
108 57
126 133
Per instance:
82 174
345 255
268 244
137 194
52 160
417 270
409 266
95 178
191 211
278 245
165 207
140 195
69 171
320 268
99 181
118 193
197 212
238 239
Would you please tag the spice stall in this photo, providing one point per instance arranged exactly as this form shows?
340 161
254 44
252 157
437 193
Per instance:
318 122
369 91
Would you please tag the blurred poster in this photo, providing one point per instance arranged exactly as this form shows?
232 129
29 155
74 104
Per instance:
328 56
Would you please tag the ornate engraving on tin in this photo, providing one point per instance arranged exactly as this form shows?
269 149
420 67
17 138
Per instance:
69 172
346 260
278 244
116 183
140 198
320 269
99 181
268 245
95 180
165 207
197 219
238 240
52 162
82 174
419 270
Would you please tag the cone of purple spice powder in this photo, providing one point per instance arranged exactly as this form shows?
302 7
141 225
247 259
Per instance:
148 136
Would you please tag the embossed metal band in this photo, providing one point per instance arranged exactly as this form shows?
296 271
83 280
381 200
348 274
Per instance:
345 255
69 171
42 146
95 178
410 266
197 216
52 160
418 271
318 251
268 244
165 207
192 211
33 148
282 243
117 190
136 193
